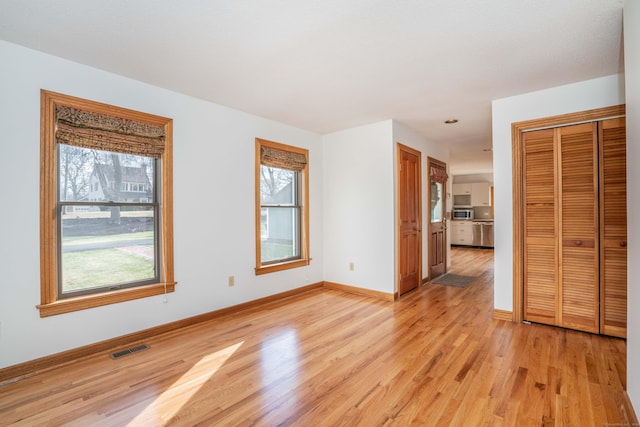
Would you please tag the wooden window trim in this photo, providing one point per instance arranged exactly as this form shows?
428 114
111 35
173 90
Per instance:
517 129
49 303
304 226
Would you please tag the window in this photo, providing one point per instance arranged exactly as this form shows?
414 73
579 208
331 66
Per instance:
282 215
101 246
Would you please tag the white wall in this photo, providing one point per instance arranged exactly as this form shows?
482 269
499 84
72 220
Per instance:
359 206
213 206
407 136
632 71
360 200
587 95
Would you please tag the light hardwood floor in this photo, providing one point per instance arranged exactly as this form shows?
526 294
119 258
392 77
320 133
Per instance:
328 358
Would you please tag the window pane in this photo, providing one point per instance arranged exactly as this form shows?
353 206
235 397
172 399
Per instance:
99 176
106 246
436 202
264 223
277 186
281 239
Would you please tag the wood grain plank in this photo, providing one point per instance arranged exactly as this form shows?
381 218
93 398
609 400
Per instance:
613 227
329 358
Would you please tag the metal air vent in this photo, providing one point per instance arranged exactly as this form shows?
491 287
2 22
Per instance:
127 351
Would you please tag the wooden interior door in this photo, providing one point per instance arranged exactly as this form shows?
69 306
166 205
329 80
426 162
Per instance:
550 244
410 219
437 217
540 293
562 175
613 228
579 291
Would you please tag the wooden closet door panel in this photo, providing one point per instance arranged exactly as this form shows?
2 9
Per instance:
613 226
540 228
579 255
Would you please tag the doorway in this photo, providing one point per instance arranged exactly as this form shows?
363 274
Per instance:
410 219
437 217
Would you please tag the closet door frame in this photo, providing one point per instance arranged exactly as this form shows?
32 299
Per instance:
517 130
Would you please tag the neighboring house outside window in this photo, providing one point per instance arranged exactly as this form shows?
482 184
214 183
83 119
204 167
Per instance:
282 207
135 185
264 224
105 171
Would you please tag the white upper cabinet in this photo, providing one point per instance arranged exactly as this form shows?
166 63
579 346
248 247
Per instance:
480 194
461 189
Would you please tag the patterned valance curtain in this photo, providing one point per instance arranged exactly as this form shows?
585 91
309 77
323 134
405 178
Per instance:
438 174
91 130
275 158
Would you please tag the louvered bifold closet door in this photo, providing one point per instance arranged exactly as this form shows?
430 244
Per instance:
579 234
613 226
540 227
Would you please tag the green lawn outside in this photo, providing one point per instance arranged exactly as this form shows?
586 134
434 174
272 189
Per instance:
80 240
274 251
101 267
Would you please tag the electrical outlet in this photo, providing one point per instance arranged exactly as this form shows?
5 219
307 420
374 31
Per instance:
352 266
231 281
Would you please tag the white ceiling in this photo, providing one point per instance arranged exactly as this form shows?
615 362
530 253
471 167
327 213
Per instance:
328 65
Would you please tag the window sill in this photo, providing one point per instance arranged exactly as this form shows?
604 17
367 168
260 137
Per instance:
282 266
89 301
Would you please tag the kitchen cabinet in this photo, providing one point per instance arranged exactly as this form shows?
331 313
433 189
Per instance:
461 189
461 232
472 194
480 194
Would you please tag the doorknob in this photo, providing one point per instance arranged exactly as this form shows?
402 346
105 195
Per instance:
623 244
417 229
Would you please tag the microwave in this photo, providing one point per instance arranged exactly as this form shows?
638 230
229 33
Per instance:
462 213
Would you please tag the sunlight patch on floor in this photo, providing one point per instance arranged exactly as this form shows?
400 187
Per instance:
171 401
